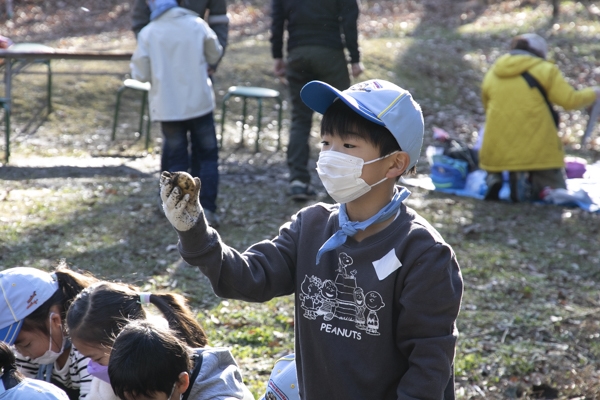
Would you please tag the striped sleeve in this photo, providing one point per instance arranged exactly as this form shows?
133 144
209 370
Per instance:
73 374
25 366
76 375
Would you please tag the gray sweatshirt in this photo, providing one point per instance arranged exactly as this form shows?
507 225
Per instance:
374 319
219 377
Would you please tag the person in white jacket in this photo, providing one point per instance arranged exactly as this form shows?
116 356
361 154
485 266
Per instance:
173 53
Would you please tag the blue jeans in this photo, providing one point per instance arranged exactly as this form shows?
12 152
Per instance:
198 154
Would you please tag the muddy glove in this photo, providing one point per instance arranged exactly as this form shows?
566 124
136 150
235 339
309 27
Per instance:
181 205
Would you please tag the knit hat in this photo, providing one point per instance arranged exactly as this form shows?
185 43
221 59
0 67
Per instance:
379 101
23 290
283 382
158 7
537 43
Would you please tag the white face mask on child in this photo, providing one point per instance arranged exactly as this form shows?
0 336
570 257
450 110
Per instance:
50 356
340 174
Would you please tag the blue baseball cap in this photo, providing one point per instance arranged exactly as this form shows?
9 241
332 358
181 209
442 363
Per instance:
379 101
22 291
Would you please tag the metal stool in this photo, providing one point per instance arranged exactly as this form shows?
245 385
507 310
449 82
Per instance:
4 103
259 94
143 87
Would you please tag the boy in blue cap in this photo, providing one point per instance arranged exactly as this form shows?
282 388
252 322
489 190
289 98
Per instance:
377 290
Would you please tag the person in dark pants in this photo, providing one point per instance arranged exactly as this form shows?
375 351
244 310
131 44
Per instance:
315 48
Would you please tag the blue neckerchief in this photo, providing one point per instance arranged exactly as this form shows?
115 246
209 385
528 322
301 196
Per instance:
158 7
45 372
349 228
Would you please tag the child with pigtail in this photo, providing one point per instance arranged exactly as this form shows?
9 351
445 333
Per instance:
99 314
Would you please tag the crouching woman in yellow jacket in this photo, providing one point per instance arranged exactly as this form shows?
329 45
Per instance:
521 133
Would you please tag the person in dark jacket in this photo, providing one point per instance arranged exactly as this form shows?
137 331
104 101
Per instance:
213 11
315 51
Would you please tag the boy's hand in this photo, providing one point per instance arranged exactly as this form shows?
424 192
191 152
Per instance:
182 211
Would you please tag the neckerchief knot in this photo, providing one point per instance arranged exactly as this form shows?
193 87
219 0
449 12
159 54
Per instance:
350 228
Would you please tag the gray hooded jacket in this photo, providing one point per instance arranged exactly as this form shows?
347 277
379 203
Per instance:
219 378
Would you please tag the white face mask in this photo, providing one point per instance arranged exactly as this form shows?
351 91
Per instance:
50 356
340 174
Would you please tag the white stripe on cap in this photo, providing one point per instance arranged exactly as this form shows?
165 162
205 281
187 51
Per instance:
8 302
13 332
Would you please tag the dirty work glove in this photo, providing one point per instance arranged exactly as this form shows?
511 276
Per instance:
181 210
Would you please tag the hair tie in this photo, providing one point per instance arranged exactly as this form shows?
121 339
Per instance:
145 298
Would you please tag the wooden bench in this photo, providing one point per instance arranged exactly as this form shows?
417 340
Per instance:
20 55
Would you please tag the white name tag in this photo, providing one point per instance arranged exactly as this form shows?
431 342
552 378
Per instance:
388 264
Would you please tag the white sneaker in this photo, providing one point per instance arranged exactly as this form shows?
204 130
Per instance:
212 218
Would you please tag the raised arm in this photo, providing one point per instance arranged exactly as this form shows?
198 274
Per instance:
260 273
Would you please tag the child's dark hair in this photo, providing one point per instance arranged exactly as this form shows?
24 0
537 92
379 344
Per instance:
99 313
520 43
10 376
146 359
340 120
70 284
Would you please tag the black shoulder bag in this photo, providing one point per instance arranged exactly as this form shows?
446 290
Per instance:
532 82
195 373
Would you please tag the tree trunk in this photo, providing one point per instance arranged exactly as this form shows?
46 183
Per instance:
555 8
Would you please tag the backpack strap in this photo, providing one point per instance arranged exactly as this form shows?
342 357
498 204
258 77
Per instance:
195 372
532 82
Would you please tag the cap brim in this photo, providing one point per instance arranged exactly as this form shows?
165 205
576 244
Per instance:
319 96
9 334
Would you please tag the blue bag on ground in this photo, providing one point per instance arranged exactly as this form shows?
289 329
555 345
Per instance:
448 172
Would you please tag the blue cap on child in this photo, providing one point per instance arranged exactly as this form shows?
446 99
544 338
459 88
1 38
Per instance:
23 290
379 101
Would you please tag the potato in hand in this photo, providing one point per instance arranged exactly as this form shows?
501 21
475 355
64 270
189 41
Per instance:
185 181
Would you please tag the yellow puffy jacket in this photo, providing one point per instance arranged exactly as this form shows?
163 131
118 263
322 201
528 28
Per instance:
520 134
